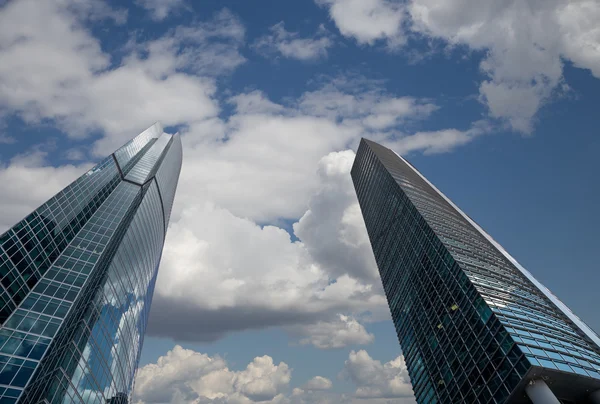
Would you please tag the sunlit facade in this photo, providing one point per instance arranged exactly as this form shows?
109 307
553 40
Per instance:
473 324
78 274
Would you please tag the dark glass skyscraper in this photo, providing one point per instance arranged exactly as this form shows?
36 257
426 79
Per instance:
78 274
474 325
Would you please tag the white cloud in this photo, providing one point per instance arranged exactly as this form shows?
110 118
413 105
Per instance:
432 142
186 376
368 20
247 276
263 164
5 139
268 151
269 159
270 154
376 380
223 273
226 273
318 383
243 275
291 45
332 228
51 67
255 102
525 43
42 48
364 103
341 332
75 154
178 98
205 48
160 9
440 141
578 21
94 11
272 149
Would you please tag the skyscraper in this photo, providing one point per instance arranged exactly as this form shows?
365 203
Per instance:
473 324
77 277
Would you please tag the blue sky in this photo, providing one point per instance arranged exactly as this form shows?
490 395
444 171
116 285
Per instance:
268 291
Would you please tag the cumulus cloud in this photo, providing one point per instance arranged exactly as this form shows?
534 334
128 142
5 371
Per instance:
270 150
75 154
51 67
268 157
440 141
227 273
291 45
341 332
193 377
94 11
525 44
332 228
224 268
160 9
188 377
376 380
364 103
368 21
6 139
318 383
222 271
204 48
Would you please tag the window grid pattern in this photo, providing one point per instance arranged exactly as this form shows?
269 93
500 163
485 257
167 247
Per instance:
413 254
134 148
110 337
67 358
167 175
455 349
543 332
132 162
146 166
29 248
44 310
75 333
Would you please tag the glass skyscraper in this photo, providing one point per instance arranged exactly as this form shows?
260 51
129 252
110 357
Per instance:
78 274
473 324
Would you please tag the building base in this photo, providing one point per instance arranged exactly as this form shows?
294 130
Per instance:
539 393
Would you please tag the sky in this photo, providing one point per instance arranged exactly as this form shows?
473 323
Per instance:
268 290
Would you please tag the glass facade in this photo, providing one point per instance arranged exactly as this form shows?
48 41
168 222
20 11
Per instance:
474 326
77 278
